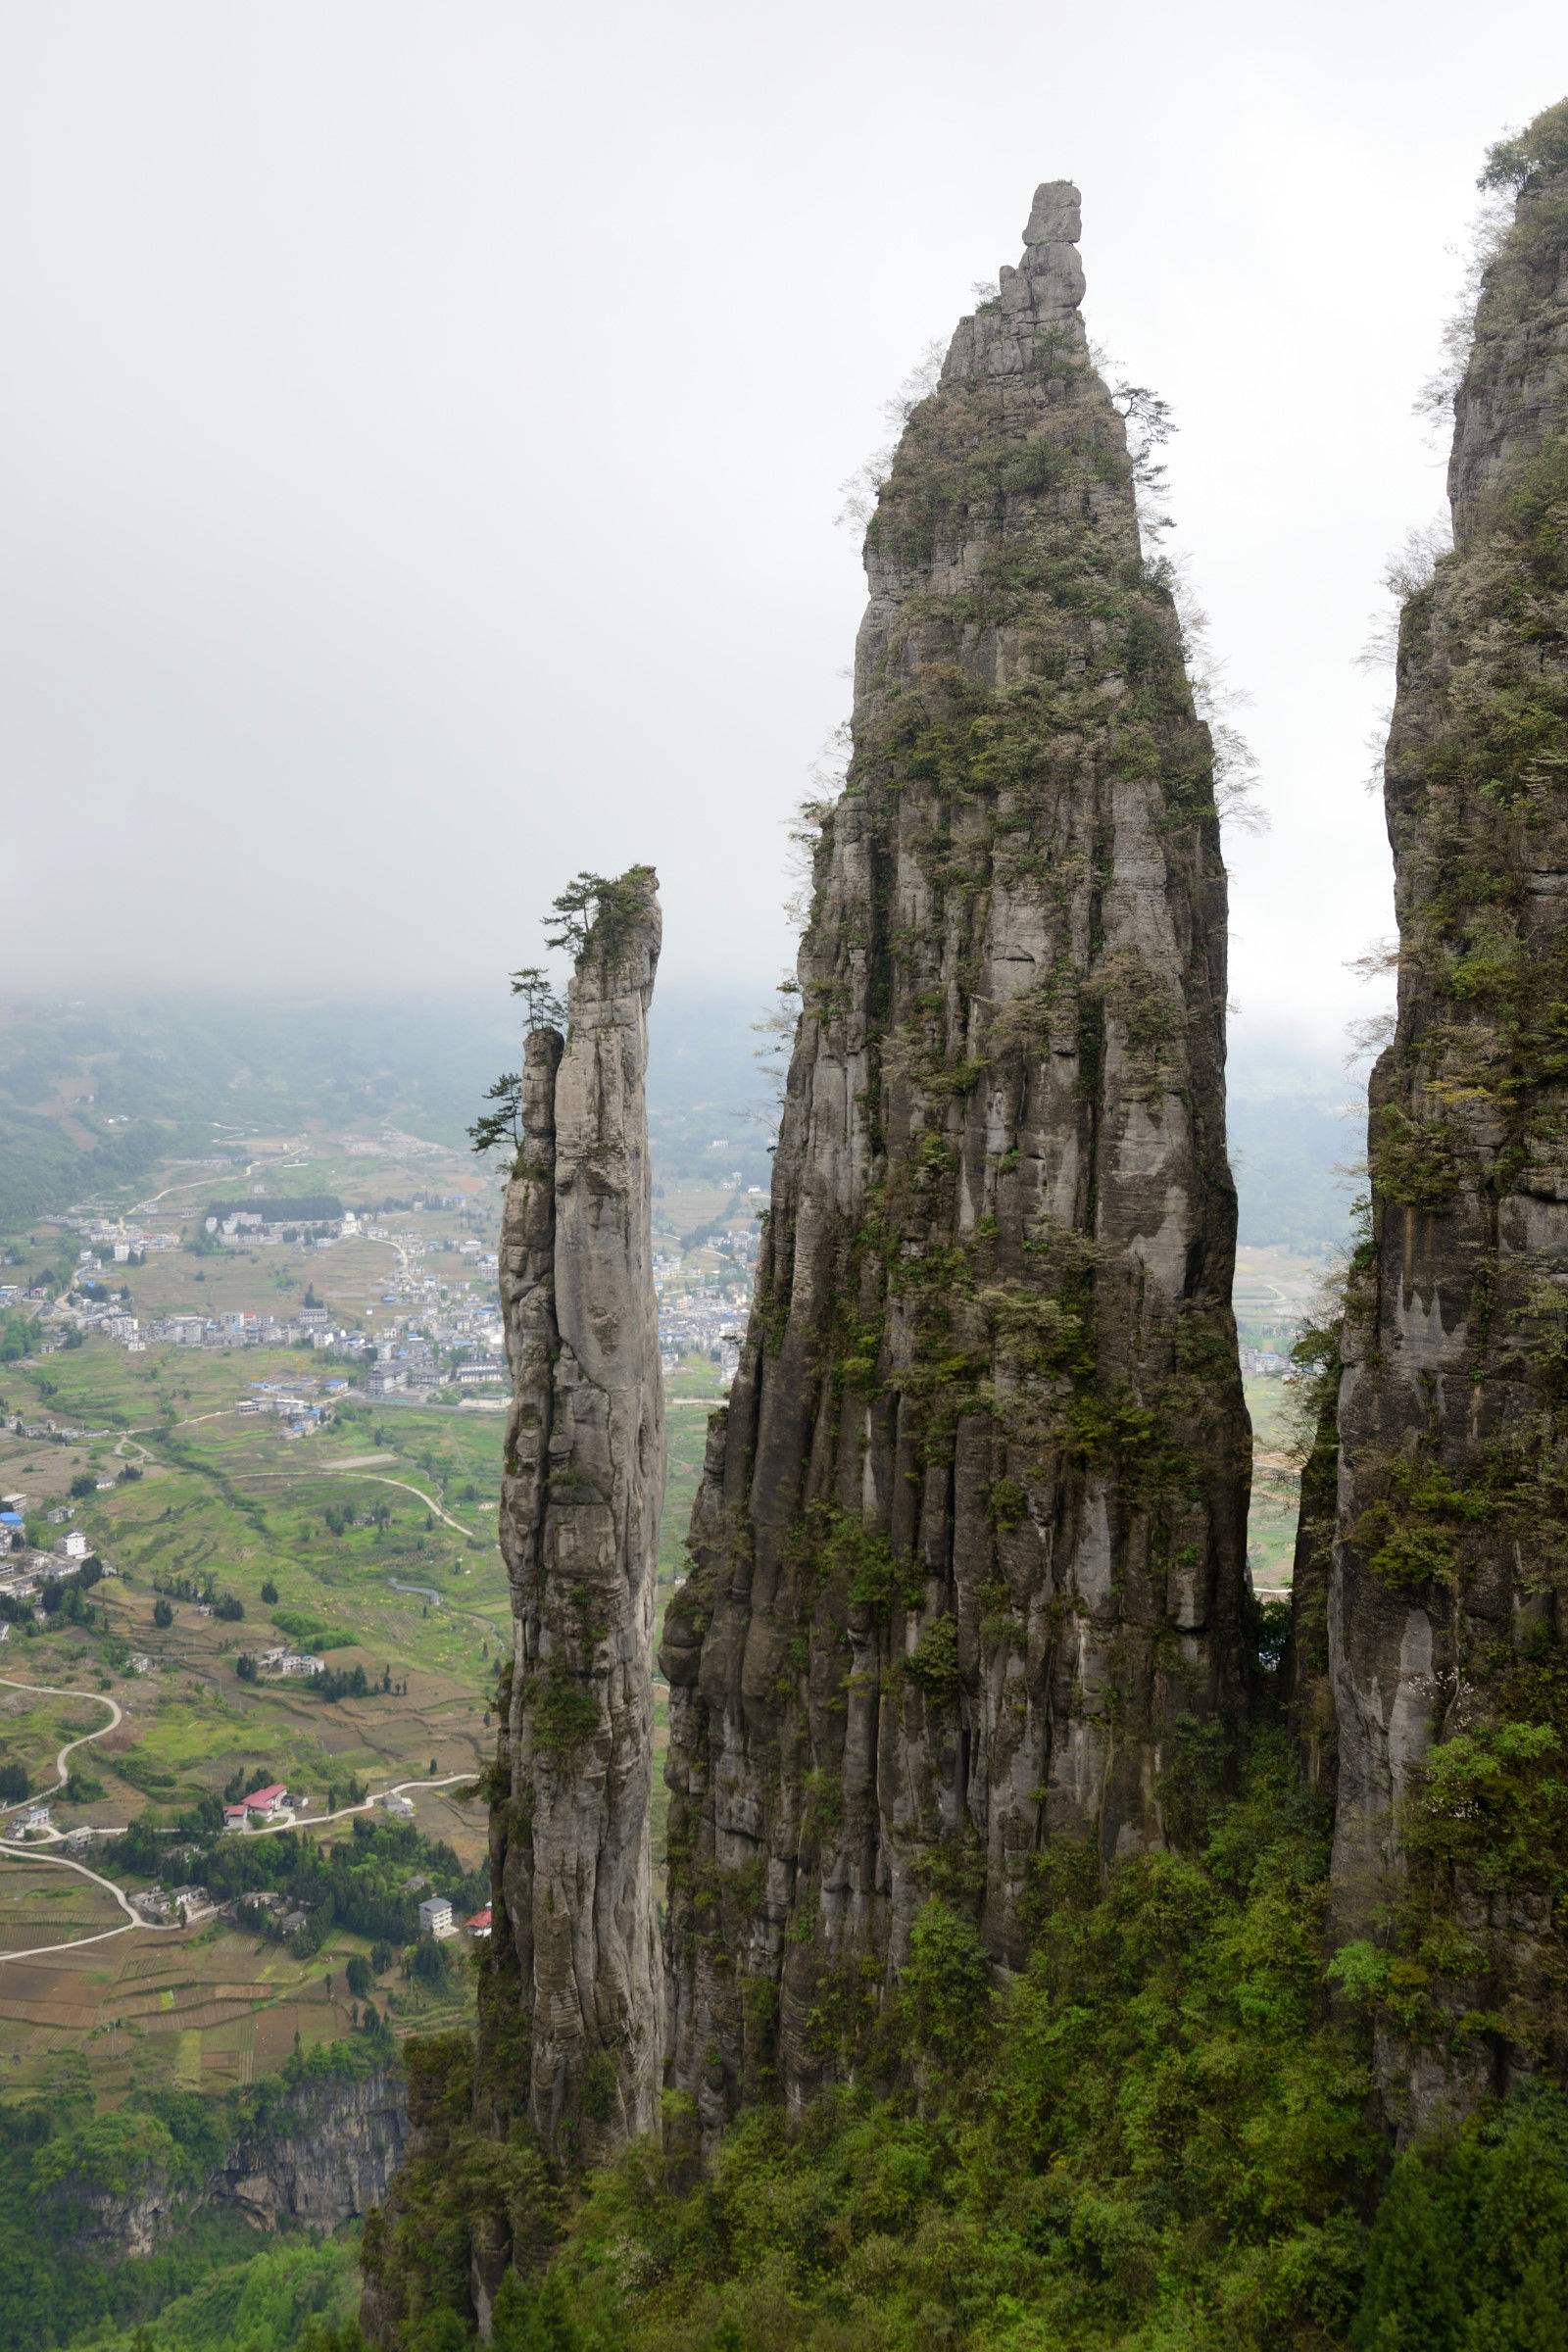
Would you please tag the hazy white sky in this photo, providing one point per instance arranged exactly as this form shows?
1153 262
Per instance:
424 426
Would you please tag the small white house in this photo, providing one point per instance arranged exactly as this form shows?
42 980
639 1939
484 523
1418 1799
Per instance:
435 1915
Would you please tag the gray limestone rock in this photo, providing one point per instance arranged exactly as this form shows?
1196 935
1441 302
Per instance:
1055 217
1445 1599
314 2151
571 2001
970 1541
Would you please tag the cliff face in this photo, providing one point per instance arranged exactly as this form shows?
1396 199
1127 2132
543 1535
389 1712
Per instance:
1445 1603
329 2157
315 2152
970 1540
571 2004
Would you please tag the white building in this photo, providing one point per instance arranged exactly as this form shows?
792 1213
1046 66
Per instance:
435 1915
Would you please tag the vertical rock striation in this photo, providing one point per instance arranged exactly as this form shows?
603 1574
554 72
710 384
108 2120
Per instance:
1446 1605
969 1544
571 1999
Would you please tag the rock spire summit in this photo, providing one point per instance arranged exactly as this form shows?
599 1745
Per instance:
970 1541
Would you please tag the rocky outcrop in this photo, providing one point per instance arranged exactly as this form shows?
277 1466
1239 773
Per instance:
1306 1678
323 2157
970 1541
571 2005
313 2149
1445 1607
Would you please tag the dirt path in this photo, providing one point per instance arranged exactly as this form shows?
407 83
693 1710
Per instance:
49 1691
273 1829
343 1470
166 1926
195 1185
132 1919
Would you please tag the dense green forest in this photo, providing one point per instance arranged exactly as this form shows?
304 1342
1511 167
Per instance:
1156 2138
67 2171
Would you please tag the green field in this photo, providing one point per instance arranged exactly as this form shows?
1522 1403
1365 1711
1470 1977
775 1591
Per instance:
230 1499
375 1544
329 1523
1276 1483
206 2009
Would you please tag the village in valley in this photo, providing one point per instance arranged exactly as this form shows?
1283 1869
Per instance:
249 1586
251 1601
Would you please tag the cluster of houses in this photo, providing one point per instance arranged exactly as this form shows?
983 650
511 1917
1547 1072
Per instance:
441 1334
299 1663
441 1330
262 1805
25 1567
312 1327
115 1240
706 1312
709 1319
446 1334
240 1228
410 1371
303 1407
436 1919
181 1903
268 1902
405 1358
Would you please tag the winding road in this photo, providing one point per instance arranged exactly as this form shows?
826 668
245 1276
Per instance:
51 1691
317 1468
14 1851
334 1470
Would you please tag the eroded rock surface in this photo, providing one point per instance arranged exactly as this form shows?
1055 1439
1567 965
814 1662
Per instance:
1446 1599
970 1541
314 2151
571 2004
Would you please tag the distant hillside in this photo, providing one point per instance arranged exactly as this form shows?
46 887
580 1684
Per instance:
1298 1129
93 1097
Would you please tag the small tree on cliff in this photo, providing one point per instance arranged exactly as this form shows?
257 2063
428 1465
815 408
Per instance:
608 901
542 1009
503 1124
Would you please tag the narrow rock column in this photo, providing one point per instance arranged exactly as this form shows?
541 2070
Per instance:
970 1541
572 2001
1447 1636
